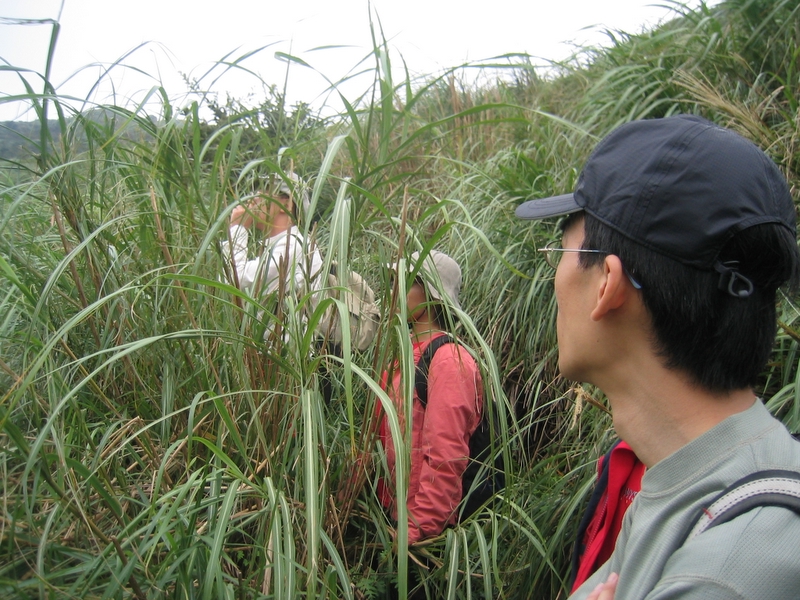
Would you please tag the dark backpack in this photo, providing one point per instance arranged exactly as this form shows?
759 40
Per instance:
480 480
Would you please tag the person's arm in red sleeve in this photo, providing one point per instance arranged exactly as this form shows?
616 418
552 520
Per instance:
451 416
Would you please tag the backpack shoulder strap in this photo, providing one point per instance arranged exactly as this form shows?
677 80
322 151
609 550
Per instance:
424 364
764 488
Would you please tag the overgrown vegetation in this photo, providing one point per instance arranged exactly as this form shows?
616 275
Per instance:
155 443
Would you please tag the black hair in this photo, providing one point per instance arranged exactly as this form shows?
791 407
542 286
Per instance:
438 314
286 196
722 342
444 318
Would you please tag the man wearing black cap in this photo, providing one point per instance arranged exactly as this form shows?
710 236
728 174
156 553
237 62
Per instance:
677 238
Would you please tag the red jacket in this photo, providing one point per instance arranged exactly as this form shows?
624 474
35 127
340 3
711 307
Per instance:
618 483
440 436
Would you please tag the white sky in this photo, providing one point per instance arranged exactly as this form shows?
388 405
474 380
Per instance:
188 36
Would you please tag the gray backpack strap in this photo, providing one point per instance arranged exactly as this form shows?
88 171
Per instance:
763 488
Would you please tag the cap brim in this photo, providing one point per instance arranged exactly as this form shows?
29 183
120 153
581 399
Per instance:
554 206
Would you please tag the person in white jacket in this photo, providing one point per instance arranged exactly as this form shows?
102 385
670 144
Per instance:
287 262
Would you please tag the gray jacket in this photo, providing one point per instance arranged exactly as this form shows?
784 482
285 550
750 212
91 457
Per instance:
754 556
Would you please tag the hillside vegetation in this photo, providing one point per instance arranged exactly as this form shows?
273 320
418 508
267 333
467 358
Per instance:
155 444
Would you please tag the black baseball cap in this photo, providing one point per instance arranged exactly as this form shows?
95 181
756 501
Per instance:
680 186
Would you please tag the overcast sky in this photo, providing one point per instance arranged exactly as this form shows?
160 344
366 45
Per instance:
188 36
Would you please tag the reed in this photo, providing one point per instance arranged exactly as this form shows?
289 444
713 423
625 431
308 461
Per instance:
162 434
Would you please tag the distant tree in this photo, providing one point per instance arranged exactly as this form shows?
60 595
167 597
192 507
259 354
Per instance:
268 126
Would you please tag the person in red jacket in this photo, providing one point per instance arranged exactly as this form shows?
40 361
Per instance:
440 431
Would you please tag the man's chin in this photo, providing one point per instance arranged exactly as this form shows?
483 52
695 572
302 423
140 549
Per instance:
570 372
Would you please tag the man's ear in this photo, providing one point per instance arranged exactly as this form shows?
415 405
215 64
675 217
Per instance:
614 288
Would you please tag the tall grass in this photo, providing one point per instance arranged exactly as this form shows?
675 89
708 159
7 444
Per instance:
163 434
